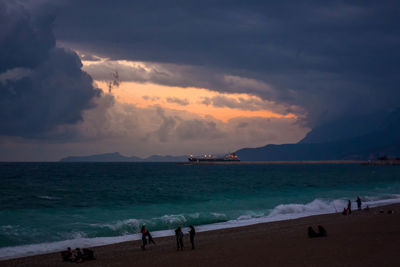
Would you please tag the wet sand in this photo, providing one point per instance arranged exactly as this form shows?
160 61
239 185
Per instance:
365 238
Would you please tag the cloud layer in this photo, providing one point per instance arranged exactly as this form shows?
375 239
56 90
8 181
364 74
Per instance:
41 86
330 58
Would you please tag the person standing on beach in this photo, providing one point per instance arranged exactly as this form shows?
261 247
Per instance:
359 203
151 240
144 240
192 233
179 238
349 207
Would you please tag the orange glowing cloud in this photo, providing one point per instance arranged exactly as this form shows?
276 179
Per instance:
194 100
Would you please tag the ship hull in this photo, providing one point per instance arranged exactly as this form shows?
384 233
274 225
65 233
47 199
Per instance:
210 160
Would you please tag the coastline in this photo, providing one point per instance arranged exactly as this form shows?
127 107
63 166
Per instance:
361 162
365 238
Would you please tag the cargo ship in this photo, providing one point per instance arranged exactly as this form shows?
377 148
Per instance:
212 158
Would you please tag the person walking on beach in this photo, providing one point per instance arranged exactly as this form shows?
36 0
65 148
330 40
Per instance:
144 240
179 238
349 207
359 203
192 233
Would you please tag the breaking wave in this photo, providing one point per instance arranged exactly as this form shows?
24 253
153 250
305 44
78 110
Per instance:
204 222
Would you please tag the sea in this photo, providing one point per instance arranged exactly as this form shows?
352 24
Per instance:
47 207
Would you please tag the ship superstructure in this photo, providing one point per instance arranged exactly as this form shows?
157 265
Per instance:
213 158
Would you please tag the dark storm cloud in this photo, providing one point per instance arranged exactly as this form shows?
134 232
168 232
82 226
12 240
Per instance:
331 58
24 41
41 86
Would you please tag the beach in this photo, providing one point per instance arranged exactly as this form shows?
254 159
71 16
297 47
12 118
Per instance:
365 238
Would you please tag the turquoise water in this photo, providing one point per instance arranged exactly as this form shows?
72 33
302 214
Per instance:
53 202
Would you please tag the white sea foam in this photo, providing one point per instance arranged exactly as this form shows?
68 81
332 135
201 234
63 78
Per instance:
173 218
119 224
280 212
49 197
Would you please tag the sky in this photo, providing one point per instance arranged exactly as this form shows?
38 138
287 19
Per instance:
188 77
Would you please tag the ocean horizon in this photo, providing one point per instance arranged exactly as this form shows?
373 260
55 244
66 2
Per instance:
46 207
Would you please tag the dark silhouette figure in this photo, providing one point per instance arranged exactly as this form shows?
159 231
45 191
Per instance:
359 203
192 233
67 254
349 207
179 238
322 231
151 240
78 255
345 211
313 234
144 240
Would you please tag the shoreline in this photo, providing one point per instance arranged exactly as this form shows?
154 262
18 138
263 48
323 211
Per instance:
225 240
279 213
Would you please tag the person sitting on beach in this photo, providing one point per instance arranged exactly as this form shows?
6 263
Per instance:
359 203
192 233
78 255
67 254
321 231
144 234
311 232
179 238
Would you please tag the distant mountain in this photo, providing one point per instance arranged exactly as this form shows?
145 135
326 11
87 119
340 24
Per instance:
357 138
346 128
117 157
381 139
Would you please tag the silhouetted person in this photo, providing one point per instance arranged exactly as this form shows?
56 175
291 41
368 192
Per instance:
179 238
192 233
311 232
349 207
359 203
150 238
67 254
321 231
144 240
78 255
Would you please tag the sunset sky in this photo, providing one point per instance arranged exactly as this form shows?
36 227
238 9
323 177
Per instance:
187 77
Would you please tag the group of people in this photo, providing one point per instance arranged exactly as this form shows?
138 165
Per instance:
347 211
77 255
179 237
178 234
